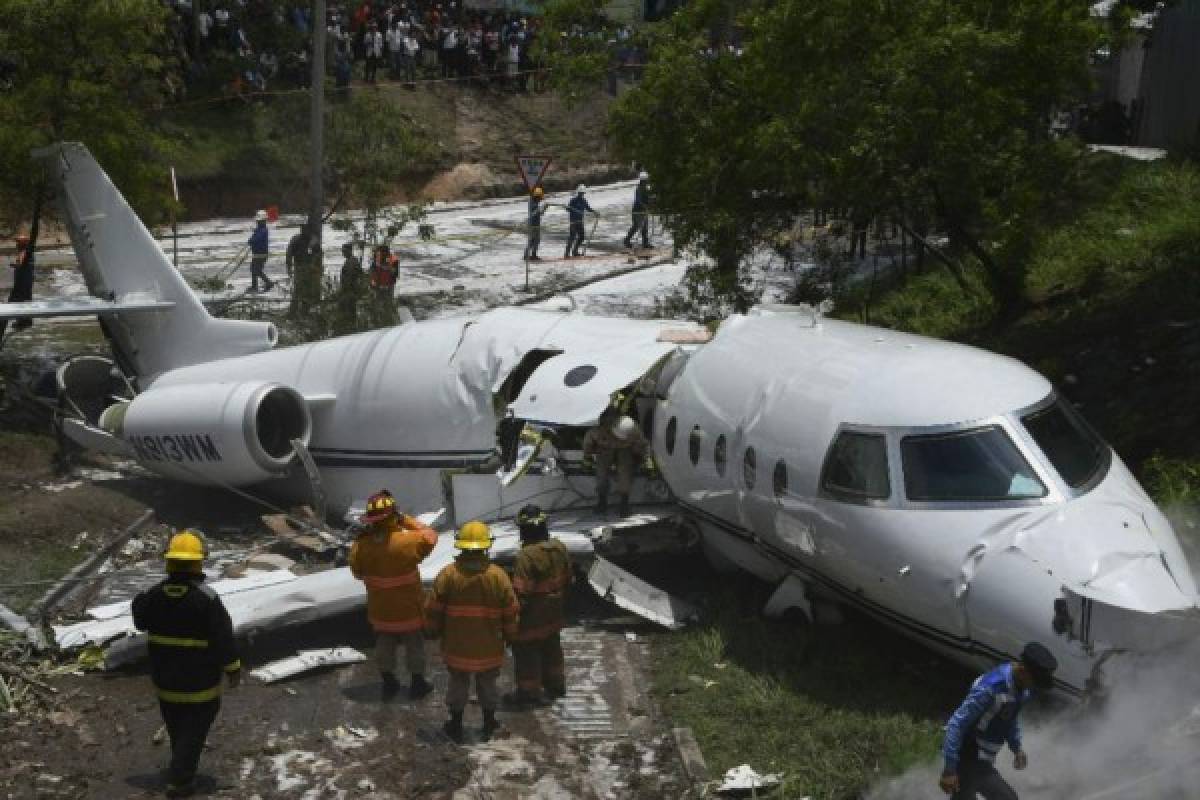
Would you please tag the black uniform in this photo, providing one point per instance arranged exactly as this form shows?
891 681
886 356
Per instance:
191 647
575 210
536 209
641 215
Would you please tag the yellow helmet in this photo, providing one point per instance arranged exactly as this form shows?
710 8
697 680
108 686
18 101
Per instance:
187 545
539 192
473 536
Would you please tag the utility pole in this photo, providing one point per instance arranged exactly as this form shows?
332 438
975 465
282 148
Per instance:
316 209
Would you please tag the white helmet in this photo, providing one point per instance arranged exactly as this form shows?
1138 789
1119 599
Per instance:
623 428
260 215
643 176
580 189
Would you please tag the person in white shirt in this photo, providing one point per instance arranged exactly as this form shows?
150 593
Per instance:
412 49
395 47
511 65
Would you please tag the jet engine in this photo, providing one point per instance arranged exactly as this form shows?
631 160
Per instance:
213 433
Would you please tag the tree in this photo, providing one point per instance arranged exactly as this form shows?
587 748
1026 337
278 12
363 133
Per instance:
370 144
89 72
84 71
917 109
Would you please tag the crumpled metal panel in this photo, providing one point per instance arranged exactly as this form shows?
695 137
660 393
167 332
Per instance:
305 660
635 595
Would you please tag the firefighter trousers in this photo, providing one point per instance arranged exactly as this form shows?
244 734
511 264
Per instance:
538 664
187 726
414 651
458 689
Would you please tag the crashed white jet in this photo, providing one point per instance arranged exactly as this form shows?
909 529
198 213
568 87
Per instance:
948 491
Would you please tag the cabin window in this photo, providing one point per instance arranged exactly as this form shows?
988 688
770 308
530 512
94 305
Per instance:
669 436
578 376
856 467
779 480
975 466
694 442
1069 443
719 455
749 468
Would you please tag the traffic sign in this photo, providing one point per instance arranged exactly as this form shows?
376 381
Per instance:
532 169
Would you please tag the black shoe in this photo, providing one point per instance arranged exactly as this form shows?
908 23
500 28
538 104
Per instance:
453 728
535 257
269 287
628 245
390 685
419 687
490 725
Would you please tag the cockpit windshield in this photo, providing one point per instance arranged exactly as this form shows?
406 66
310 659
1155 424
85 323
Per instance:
980 465
1072 447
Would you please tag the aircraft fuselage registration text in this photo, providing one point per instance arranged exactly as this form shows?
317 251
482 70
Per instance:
193 447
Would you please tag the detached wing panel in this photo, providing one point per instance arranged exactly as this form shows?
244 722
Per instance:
80 307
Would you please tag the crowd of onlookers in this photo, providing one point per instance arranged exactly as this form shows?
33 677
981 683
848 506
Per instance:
255 45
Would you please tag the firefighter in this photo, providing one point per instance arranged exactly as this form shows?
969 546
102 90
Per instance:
385 558
474 611
191 645
987 720
540 578
22 285
385 268
615 438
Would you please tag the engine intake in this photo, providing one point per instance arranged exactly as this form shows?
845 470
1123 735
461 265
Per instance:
224 433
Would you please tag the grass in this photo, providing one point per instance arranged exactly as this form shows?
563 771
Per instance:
834 709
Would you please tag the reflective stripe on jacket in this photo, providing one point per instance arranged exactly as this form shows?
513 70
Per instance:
387 564
474 609
986 719
190 638
540 579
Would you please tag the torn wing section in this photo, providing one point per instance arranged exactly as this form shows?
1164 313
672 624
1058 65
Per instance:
82 307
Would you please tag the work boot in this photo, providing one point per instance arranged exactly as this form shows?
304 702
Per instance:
601 504
418 687
490 725
390 684
623 506
453 727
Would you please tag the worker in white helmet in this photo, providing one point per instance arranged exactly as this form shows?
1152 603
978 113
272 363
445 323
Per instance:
615 438
641 212
576 208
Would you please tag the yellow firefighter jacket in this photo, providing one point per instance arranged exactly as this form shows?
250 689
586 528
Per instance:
387 564
540 579
474 610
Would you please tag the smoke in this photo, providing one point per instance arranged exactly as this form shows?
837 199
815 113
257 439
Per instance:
1140 740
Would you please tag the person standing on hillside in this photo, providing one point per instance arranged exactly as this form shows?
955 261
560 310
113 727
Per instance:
373 47
987 720
576 208
385 558
641 212
537 208
258 243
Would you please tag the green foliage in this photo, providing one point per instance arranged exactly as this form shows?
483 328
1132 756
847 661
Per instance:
929 111
573 43
370 145
87 71
1173 481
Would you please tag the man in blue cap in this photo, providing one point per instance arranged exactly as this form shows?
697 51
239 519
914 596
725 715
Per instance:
987 720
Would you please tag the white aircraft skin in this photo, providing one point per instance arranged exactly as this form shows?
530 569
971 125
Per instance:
1085 569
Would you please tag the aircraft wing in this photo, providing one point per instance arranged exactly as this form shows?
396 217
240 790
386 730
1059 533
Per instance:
80 307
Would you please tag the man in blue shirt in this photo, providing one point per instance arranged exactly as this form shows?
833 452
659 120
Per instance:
575 211
258 253
987 720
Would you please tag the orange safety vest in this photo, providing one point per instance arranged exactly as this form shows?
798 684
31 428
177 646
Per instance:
540 578
387 564
384 273
474 610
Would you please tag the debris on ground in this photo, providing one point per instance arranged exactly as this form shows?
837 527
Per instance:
631 593
306 660
745 779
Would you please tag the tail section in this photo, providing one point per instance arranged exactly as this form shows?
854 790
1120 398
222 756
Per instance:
121 262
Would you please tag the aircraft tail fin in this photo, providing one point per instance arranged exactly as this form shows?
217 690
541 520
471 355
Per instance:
122 263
